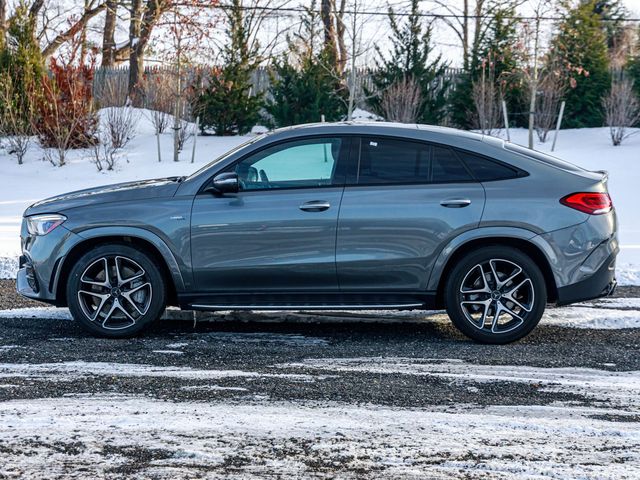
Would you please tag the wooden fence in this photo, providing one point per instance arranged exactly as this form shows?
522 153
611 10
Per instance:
110 84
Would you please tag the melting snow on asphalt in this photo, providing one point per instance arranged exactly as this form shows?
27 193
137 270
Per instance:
44 438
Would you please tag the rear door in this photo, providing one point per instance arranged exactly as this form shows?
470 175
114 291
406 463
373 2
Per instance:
403 201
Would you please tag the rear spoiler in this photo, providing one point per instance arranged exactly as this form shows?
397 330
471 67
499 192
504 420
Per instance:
605 175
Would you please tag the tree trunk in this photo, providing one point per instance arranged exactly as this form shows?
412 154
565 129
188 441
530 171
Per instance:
108 34
326 13
3 22
340 30
136 55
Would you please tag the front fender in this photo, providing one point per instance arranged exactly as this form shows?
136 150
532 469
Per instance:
181 276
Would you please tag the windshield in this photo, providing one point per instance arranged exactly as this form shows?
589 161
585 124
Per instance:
226 155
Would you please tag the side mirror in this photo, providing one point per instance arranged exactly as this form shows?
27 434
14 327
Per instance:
224 183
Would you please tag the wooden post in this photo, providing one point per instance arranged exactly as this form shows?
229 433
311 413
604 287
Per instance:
158 142
506 120
195 136
555 137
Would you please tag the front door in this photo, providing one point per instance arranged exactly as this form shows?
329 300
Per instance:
403 201
278 233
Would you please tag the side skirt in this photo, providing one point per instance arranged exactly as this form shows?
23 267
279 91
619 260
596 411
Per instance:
309 301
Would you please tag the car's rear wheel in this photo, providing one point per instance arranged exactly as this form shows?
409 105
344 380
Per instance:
116 291
495 295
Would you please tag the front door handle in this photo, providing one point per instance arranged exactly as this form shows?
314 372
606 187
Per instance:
315 206
455 202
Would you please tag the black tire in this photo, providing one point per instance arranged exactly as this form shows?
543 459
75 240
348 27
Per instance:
132 305
470 306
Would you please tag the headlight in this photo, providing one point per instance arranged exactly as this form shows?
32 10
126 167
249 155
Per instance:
43 224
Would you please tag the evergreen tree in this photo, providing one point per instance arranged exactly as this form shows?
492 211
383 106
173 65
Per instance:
227 104
306 84
21 61
495 44
581 46
411 53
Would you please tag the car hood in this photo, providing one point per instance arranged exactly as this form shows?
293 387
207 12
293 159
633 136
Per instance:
139 190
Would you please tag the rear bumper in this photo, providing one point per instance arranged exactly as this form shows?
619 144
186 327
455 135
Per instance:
600 284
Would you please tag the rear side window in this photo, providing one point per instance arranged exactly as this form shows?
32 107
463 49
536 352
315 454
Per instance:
447 168
486 170
389 161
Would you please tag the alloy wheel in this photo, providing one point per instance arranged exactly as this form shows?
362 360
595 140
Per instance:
496 296
115 292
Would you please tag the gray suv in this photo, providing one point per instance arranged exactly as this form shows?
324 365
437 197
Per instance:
333 216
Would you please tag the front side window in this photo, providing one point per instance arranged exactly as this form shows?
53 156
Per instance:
299 164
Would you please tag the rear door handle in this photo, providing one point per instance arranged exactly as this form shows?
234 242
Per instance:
455 202
315 206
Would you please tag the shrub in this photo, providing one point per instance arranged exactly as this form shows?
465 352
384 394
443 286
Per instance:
622 109
66 118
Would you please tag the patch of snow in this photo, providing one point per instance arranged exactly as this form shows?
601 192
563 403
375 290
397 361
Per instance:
283 439
605 385
361 114
213 388
80 369
586 317
168 352
41 313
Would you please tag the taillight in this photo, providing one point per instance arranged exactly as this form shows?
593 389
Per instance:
593 203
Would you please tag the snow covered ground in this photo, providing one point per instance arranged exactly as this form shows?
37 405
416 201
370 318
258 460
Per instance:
287 439
36 179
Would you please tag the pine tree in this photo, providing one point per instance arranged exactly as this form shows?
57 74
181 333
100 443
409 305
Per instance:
496 44
228 104
306 84
581 46
411 53
21 60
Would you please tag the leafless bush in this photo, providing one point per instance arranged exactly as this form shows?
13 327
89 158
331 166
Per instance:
159 99
15 119
622 109
486 99
104 153
551 88
186 131
401 101
120 124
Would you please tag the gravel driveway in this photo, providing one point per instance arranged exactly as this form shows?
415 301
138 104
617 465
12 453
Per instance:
316 396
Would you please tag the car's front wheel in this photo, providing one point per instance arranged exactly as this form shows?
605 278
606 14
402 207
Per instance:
116 291
496 295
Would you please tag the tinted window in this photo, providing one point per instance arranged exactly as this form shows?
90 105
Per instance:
304 163
385 160
447 168
485 170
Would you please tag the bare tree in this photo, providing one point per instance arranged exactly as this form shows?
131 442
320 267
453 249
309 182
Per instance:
401 101
622 109
158 99
486 99
552 85
108 34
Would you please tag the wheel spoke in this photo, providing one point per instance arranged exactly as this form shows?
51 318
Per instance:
510 295
502 283
484 289
120 279
485 304
105 282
